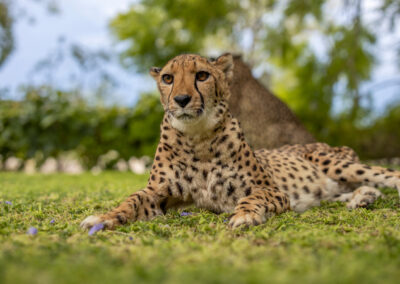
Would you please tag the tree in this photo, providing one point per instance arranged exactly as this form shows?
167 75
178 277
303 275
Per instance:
6 36
158 29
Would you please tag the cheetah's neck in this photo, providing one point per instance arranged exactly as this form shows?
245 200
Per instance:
224 141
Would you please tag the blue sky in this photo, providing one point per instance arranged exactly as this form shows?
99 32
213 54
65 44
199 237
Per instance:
85 22
79 22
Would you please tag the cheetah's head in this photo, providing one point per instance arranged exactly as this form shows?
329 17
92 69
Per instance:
194 90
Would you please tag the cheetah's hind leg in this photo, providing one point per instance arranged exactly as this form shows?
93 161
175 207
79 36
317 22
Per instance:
353 172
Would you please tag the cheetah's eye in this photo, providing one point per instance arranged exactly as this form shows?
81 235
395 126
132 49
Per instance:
167 79
202 76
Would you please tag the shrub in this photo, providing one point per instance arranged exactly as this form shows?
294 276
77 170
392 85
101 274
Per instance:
48 122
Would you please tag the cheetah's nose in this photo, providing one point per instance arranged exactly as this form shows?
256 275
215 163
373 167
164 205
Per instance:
182 100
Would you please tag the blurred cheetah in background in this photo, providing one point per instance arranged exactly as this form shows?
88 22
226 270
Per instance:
203 159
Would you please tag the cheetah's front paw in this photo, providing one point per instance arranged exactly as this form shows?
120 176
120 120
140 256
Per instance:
91 221
245 219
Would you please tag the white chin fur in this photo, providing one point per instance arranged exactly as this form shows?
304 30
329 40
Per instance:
201 124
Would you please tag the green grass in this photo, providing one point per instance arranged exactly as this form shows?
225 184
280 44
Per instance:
328 244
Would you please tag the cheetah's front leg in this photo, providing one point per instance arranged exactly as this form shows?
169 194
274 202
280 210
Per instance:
256 207
142 205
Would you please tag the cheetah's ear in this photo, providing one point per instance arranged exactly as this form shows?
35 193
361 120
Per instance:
225 64
155 72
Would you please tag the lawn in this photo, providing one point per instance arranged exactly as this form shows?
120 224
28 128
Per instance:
328 244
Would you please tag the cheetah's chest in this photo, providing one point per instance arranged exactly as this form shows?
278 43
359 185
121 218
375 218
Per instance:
212 188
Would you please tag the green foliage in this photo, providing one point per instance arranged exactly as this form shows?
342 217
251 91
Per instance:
391 12
327 244
6 36
382 138
316 83
156 30
48 122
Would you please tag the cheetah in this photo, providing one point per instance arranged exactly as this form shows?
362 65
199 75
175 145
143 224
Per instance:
203 159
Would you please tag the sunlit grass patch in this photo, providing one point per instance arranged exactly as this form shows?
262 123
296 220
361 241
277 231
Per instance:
328 244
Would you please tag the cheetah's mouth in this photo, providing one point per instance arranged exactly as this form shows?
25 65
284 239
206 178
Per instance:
188 115
185 116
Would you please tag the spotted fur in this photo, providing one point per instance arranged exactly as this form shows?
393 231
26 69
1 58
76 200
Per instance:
203 159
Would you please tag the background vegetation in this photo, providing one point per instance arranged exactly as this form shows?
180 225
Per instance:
48 122
317 56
